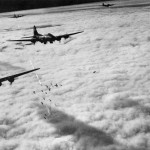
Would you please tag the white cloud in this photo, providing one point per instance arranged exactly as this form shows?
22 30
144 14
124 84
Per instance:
102 98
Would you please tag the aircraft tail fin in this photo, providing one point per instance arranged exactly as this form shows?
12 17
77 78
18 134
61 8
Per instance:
35 33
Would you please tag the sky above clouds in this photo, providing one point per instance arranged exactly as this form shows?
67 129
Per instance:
14 5
102 98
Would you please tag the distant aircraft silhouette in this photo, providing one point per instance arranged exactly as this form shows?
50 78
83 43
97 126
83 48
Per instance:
45 38
16 16
107 5
12 77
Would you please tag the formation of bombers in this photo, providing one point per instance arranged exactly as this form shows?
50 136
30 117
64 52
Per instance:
37 37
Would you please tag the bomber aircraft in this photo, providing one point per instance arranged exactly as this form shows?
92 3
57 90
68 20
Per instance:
45 38
107 5
12 77
16 16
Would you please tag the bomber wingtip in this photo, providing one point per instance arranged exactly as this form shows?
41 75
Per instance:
37 68
80 31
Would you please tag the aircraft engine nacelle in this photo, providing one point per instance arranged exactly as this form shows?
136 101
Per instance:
11 80
58 39
45 42
67 36
0 83
33 41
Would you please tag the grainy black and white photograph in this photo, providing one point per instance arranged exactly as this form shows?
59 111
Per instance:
74 75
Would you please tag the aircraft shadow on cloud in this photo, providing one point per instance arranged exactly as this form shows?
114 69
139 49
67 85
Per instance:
12 77
37 37
66 124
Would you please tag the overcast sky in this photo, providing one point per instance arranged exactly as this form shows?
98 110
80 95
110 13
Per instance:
11 5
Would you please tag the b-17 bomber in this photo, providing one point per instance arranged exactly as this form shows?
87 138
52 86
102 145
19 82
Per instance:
37 37
107 5
12 77
16 16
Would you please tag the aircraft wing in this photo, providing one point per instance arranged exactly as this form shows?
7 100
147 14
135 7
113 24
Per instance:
20 74
27 40
67 35
28 37
16 75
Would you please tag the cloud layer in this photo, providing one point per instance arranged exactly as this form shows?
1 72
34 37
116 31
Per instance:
95 85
